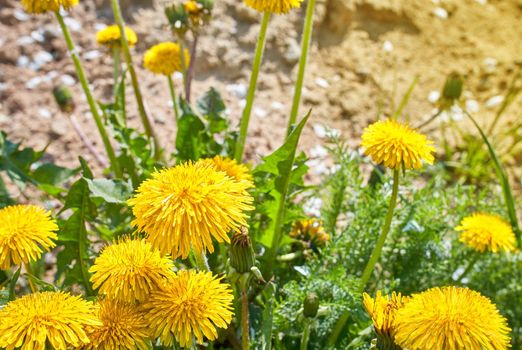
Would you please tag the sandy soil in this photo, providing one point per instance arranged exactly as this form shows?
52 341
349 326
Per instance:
364 56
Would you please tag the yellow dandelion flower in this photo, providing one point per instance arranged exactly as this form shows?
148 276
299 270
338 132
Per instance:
396 145
43 6
274 6
192 7
165 58
191 305
25 232
382 311
185 206
123 327
129 270
110 36
310 230
450 318
54 317
487 232
239 172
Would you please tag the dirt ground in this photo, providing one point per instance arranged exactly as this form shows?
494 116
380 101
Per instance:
365 53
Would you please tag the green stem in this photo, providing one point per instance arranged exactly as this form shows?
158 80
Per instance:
305 46
115 165
149 131
468 269
258 57
245 343
173 95
306 334
184 66
339 325
116 56
29 270
201 261
386 228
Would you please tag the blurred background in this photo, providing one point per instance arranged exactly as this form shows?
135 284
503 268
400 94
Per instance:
365 55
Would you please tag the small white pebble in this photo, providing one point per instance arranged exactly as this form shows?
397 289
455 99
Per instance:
33 83
441 13
24 40
457 114
20 15
42 57
278 106
481 2
238 90
242 103
319 130
72 24
259 112
23 61
68 80
434 96
472 106
333 133
313 206
99 26
178 76
38 35
3 86
387 46
318 151
44 113
92 55
321 82
494 101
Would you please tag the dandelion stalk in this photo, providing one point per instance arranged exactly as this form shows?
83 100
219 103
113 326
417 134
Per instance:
116 57
30 272
149 131
468 269
173 95
305 46
305 337
386 228
184 66
245 326
115 166
190 71
258 57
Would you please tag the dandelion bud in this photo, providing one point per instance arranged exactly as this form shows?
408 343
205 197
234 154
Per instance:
311 305
178 19
64 99
241 253
452 89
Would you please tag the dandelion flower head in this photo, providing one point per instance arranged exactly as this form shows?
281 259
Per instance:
129 270
54 317
274 6
382 311
25 232
123 327
486 232
450 318
233 169
186 206
110 36
396 145
43 6
310 230
191 305
165 58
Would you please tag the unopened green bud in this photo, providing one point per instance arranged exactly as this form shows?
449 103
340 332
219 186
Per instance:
64 99
452 88
311 305
241 253
178 19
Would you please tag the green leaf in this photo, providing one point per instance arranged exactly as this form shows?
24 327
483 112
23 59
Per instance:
52 174
212 107
189 145
12 284
112 191
266 327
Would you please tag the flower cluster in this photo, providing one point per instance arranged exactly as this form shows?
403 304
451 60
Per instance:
486 232
438 319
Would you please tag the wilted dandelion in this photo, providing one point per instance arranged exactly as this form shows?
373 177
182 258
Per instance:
310 230
185 206
25 232
396 145
450 318
54 317
233 169
274 6
123 327
111 35
129 270
43 6
382 311
486 232
165 58
190 305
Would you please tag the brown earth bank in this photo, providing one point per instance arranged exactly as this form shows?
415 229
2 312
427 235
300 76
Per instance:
365 54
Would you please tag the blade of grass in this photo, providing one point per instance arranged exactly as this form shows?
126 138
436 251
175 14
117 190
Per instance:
405 98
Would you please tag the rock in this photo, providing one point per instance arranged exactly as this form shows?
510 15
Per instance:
68 80
293 52
321 82
494 101
238 90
